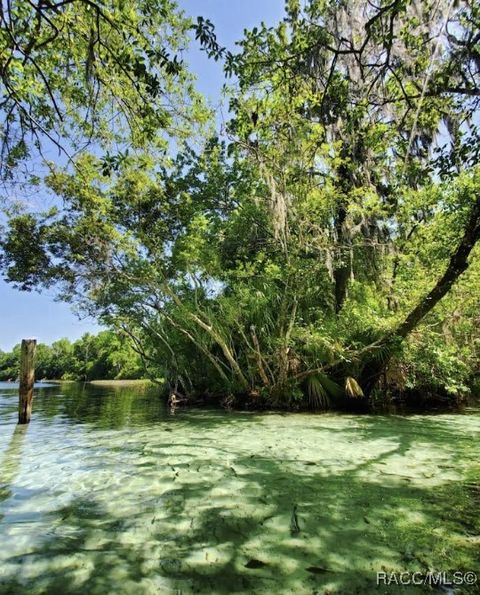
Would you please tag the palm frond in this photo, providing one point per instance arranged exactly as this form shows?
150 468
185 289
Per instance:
352 388
321 389
317 395
383 352
332 388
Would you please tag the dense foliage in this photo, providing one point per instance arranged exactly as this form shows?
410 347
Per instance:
324 248
81 74
104 356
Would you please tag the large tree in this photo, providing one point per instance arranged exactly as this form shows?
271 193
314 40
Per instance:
352 110
292 259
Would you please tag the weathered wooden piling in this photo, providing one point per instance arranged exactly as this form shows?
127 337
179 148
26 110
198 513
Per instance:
27 378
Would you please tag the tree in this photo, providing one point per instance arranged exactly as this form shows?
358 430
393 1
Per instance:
299 261
104 356
9 364
342 106
81 73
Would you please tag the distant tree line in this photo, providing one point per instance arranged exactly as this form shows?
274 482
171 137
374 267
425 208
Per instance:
103 356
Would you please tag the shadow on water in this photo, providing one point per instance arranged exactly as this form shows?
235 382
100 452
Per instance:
210 502
209 550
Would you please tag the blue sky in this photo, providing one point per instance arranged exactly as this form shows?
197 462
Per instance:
25 314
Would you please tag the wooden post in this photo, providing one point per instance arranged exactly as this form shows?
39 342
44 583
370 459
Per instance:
27 378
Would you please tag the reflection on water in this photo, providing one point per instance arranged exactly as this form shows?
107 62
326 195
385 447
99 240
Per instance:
106 492
11 461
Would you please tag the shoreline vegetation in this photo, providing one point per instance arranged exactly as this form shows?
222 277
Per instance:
105 356
414 402
107 353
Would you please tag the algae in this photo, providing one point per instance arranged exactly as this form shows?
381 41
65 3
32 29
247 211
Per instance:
108 492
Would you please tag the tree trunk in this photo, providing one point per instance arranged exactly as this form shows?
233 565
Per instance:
457 265
341 270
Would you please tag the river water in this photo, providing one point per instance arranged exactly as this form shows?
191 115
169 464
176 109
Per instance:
107 492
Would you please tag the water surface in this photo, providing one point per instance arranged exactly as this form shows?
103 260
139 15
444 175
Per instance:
107 492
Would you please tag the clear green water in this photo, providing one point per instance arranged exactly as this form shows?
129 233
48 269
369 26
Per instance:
107 492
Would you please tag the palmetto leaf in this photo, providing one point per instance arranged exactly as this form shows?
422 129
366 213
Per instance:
317 395
321 389
352 388
383 352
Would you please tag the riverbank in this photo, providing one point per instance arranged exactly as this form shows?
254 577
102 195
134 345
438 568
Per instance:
111 383
412 401
122 383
